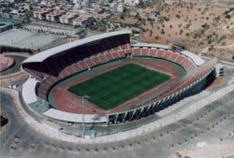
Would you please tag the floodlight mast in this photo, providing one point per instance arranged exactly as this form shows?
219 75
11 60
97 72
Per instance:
83 98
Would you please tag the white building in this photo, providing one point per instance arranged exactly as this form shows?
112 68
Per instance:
131 2
68 18
54 15
41 13
120 8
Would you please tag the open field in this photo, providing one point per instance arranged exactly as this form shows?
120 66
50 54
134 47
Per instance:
113 88
27 39
204 28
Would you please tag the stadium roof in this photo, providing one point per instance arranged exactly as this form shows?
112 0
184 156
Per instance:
196 59
150 45
50 52
28 91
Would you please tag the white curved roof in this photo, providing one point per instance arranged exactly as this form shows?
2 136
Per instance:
150 45
72 117
196 59
50 52
28 91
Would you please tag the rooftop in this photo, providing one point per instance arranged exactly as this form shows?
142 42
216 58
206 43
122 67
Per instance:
56 50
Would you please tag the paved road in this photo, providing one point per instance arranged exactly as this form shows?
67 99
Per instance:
211 125
18 59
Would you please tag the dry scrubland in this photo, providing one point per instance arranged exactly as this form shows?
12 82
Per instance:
200 27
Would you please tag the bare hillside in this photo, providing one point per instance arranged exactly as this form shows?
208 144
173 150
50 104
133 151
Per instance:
204 28
223 3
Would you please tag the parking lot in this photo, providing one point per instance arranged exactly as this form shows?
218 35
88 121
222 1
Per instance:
209 127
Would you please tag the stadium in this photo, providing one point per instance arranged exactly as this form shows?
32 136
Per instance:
111 80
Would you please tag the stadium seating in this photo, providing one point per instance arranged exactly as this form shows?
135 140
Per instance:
182 60
36 74
152 52
160 53
167 55
108 55
186 82
56 68
137 52
102 58
95 60
144 52
174 57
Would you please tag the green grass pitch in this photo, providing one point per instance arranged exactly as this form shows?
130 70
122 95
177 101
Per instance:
115 87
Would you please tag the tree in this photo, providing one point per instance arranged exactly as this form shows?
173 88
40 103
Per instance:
137 16
157 37
178 16
228 16
180 25
27 16
152 24
162 32
151 32
122 17
200 43
158 27
211 47
181 32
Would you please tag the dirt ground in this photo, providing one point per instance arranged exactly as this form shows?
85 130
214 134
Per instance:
201 28
187 18
216 149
